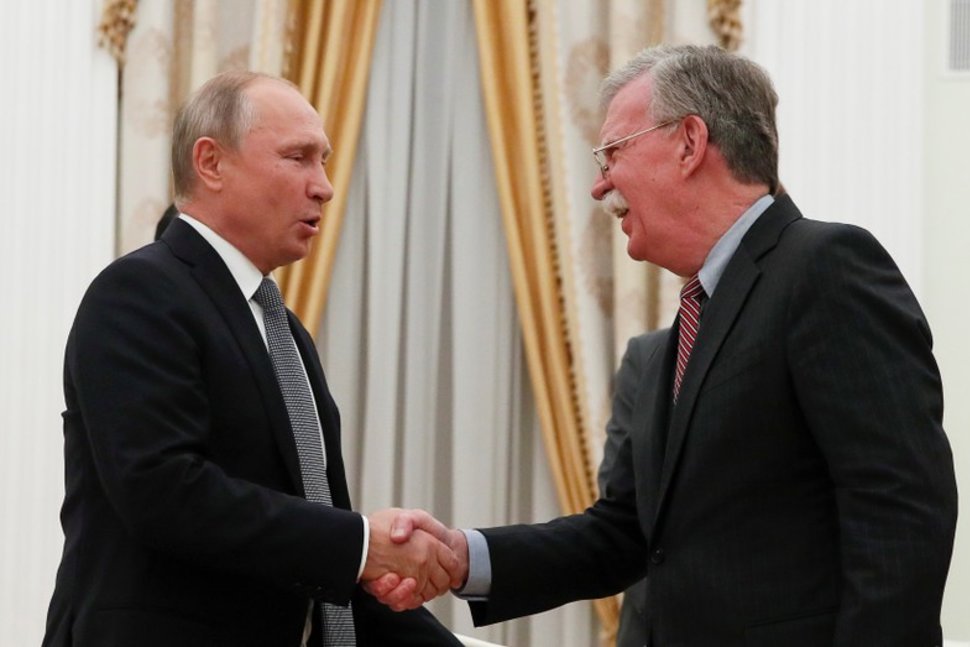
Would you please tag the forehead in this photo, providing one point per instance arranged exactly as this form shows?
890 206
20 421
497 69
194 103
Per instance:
282 110
627 109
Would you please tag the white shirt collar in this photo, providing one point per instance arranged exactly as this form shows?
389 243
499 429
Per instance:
247 276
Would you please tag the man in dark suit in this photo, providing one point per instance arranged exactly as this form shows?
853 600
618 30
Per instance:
639 353
195 514
786 479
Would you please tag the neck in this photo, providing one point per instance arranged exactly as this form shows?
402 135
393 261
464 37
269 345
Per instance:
221 223
716 206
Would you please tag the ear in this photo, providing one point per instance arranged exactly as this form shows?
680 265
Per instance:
207 160
693 144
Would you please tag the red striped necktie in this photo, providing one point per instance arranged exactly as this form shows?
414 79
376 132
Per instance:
689 318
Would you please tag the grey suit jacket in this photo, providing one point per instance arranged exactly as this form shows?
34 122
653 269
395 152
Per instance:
800 493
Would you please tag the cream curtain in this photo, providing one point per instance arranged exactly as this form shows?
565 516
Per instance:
332 43
420 339
174 47
517 52
507 57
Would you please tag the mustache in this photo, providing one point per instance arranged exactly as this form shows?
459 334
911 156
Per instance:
614 204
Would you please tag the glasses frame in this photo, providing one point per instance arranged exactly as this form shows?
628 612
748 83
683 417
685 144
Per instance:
600 157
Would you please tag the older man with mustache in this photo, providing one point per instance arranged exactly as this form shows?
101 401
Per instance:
783 477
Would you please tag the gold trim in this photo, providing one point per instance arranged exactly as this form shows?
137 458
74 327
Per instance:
330 64
117 21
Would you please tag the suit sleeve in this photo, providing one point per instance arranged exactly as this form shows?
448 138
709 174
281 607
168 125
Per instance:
590 555
863 370
136 369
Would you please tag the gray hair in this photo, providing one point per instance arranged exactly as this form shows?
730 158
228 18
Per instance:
220 110
732 94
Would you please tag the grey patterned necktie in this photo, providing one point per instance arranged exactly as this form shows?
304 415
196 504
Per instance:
338 622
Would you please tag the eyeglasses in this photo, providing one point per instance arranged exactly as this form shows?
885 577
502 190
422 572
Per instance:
602 153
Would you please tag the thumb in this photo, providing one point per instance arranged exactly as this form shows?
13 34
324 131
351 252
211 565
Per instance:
402 528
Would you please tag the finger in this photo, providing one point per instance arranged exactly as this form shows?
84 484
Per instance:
439 580
404 596
459 545
450 564
383 585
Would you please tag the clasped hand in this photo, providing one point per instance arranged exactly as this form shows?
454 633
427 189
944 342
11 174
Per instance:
412 558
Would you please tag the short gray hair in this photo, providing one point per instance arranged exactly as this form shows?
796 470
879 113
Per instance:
220 110
732 94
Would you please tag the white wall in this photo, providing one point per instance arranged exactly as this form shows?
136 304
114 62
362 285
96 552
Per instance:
57 172
872 132
946 227
850 140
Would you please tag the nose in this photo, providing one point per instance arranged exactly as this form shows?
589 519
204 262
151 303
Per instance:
320 188
601 186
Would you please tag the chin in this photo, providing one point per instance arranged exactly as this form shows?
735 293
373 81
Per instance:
299 253
634 251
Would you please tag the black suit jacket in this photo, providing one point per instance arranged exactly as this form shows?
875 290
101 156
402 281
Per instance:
800 493
184 517
639 353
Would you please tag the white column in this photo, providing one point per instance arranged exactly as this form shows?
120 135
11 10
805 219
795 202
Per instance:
57 176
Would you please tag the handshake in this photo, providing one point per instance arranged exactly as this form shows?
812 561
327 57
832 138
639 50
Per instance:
412 558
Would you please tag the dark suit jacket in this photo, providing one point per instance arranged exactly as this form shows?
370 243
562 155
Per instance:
184 517
800 493
640 350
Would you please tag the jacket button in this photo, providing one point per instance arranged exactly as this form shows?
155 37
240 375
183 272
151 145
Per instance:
657 556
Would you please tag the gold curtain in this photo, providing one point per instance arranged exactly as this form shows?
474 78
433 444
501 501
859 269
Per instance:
117 21
508 54
331 52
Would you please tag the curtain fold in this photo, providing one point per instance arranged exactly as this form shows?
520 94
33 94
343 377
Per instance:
420 337
503 29
333 43
511 80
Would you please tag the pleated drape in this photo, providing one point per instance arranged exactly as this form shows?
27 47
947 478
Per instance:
508 52
330 61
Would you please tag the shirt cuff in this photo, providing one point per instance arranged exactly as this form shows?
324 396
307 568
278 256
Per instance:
366 545
479 582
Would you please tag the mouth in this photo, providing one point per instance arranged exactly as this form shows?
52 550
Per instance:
313 223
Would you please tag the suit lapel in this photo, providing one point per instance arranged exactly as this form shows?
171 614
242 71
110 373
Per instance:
654 410
719 315
214 278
